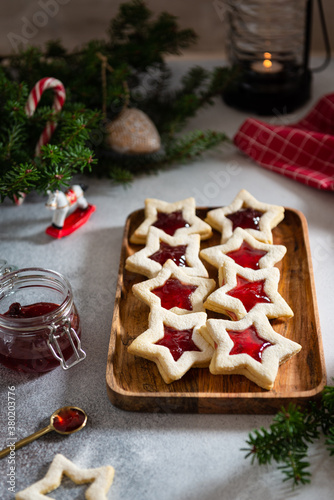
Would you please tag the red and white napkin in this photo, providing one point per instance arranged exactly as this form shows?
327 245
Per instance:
303 151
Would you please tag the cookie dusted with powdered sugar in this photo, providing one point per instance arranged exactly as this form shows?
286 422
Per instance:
101 479
175 219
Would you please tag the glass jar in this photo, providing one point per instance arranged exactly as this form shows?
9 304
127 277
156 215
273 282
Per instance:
39 324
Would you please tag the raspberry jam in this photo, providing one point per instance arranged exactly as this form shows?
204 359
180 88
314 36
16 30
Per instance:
249 342
246 218
68 419
174 293
249 292
178 341
169 223
39 324
247 256
165 252
31 311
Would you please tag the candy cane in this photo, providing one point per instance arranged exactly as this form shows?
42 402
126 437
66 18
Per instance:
33 100
58 102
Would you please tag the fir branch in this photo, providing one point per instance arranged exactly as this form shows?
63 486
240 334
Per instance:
287 440
135 50
20 179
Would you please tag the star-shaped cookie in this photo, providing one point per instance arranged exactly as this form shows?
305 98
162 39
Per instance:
174 290
243 290
245 211
101 479
243 249
248 347
173 342
160 247
175 219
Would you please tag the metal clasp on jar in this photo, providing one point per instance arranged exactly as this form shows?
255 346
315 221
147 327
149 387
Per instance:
59 330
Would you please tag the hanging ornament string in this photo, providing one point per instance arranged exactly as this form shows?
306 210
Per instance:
132 131
104 67
58 102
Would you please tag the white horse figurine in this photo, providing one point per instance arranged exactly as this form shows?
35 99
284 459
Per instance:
65 203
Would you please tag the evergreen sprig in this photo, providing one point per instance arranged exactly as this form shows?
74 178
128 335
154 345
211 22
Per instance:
65 155
287 440
122 168
135 47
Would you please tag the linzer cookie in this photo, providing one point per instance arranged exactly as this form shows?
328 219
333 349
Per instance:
174 290
244 290
100 477
245 211
248 347
173 342
175 219
244 250
183 250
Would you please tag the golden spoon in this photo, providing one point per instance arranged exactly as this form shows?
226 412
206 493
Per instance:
65 420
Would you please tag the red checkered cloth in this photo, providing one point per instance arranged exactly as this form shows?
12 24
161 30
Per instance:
303 151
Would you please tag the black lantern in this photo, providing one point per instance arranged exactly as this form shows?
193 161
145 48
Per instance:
269 45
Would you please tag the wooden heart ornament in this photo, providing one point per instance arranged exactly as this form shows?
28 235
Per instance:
132 132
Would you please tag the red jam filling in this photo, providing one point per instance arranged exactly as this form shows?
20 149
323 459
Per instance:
174 293
68 420
247 256
178 341
31 353
246 218
31 311
170 222
165 252
248 342
249 292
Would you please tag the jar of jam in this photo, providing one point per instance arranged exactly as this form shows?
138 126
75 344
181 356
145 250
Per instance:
39 324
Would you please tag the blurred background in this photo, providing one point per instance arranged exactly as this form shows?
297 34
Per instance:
78 21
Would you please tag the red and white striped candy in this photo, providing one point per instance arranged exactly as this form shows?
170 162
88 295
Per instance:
33 100
58 102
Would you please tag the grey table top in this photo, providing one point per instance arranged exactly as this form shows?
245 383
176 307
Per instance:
155 456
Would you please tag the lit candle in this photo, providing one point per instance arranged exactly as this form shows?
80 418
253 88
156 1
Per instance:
267 65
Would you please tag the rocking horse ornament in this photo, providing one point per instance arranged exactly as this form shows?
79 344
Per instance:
70 211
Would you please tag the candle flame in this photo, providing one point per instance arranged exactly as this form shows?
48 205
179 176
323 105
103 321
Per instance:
267 55
267 63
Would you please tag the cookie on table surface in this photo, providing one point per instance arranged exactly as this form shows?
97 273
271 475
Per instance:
244 250
176 219
243 290
175 290
173 342
248 347
101 479
257 218
183 250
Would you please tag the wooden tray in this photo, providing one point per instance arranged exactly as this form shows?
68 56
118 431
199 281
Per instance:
135 384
